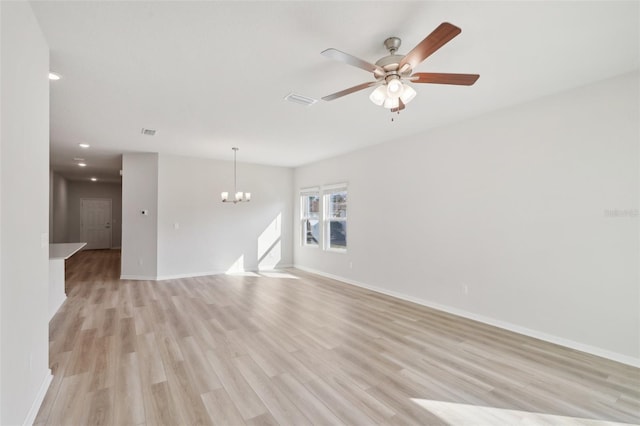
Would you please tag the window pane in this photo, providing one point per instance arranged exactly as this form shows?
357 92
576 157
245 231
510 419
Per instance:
338 204
311 206
312 232
338 234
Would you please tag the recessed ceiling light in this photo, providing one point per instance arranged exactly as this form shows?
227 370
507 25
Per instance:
83 145
53 76
82 165
94 179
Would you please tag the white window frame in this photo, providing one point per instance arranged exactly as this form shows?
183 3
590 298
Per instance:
327 191
304 193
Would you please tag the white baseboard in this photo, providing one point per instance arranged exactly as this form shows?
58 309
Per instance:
138 277
196 274
35 407
191 275
217 272
284 266
593 350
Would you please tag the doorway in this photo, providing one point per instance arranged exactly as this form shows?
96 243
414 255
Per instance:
95 223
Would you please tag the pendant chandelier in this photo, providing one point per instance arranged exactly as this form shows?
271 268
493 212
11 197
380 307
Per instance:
238 196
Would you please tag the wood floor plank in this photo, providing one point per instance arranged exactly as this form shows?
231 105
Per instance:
280 407
262 420
128 405
221 409
344 410
162 407
203 375
149 359
81 357
189 405
246 400
71 401
311 407
105 362
100 407
269 349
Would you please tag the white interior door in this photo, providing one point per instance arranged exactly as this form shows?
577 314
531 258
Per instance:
95 222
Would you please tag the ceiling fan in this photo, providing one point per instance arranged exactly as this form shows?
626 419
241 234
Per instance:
393 72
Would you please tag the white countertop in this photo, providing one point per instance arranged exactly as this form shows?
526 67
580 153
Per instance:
64 250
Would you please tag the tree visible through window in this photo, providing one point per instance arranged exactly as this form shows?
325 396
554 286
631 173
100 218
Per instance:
336 219
310 218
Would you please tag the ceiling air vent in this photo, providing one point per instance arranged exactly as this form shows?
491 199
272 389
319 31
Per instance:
148 132
300 99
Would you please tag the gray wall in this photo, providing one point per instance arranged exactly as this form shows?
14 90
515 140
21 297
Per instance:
512 218
139 232
24 207
58 209
189 231
200 235
78 190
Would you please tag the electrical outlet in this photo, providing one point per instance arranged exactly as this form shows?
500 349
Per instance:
465 289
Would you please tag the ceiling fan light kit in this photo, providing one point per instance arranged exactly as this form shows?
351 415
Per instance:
393 71
238 196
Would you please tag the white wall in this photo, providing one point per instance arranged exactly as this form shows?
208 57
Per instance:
516 207
58 209
24 204
214 237
78 190
139 232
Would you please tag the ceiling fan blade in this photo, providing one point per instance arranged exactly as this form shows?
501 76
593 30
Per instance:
401 106
444 78
352 60
349 90
434 41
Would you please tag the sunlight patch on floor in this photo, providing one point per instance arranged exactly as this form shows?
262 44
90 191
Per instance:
237 266
464 414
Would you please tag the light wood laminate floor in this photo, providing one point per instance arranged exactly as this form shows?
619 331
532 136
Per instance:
296 349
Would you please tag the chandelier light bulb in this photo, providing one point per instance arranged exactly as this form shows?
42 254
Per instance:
391 103
407 94
394 88
379 95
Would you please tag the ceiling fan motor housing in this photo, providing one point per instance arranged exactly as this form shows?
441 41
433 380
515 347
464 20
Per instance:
391 63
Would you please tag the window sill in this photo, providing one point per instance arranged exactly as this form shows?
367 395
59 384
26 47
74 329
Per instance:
336 250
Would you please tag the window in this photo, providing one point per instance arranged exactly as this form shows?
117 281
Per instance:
335 218
310 217
323 220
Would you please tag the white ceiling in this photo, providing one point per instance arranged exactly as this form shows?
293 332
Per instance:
212 75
